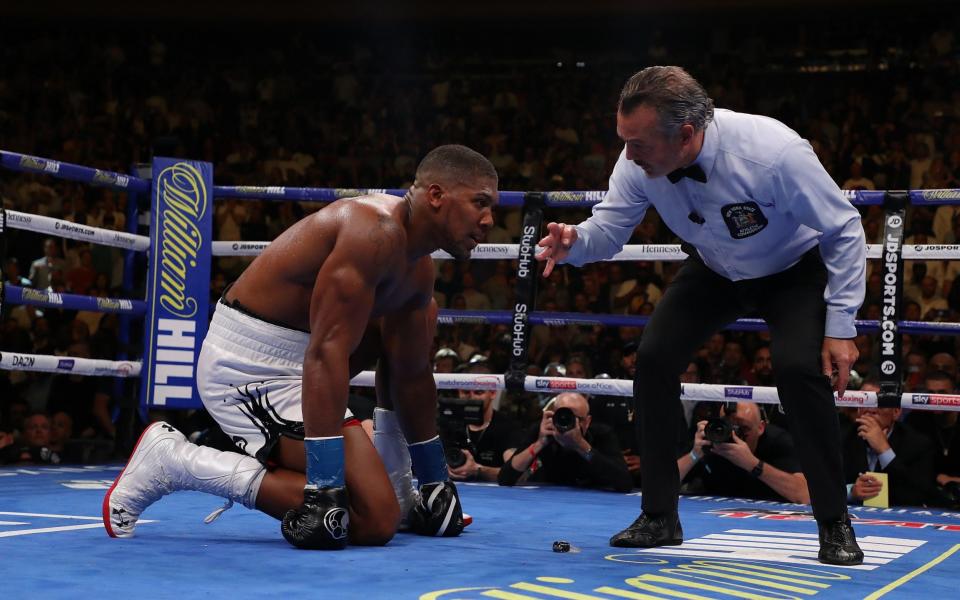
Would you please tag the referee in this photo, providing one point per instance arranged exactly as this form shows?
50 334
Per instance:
770 232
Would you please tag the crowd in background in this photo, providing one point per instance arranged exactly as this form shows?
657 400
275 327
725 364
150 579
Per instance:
878 105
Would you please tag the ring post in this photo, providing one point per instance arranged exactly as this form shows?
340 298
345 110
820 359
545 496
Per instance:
891 363
525 291
178 282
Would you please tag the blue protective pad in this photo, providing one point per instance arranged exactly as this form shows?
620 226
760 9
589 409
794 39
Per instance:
324 461
429 463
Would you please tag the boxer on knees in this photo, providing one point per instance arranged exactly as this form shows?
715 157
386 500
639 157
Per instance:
341 289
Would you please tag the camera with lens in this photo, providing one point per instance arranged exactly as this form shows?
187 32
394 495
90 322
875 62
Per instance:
719 430
564 420
453 416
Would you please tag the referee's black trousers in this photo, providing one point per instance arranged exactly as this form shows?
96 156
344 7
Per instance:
698 303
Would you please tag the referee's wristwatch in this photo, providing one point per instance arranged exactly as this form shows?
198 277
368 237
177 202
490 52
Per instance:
757 471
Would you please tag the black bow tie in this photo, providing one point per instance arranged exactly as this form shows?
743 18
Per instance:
693 172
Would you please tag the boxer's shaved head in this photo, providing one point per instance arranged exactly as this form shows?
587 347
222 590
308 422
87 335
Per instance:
454 163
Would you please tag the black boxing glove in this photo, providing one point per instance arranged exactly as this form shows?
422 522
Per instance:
321 522
438 511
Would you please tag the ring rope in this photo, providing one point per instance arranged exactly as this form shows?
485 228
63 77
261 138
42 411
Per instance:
664 252
16 161
448 316
688 391
562 199
14 294
69 171
16 361
75 231
467 381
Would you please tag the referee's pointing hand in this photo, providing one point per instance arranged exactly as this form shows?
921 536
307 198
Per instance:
556 244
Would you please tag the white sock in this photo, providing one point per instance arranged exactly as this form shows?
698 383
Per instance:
392 446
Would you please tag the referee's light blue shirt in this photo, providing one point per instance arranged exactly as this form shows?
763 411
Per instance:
766 202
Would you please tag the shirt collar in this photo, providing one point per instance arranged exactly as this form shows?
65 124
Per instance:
711 147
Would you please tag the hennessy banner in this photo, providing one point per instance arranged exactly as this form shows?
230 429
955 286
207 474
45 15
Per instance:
178 286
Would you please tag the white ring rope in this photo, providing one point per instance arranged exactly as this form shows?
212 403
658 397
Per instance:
688 391
469 381
75 231
15 361
612 387
665 252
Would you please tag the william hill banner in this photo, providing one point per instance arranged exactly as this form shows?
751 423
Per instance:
178 286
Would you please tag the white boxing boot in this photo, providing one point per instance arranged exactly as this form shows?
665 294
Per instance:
163 461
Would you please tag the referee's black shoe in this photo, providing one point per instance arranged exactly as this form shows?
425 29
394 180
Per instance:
649 531
838 544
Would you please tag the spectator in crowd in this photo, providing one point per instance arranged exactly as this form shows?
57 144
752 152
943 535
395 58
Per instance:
585 455
61 434
732 368
933 306
6 441
878 443
80 278
75 395
474 299
11 272
945 362
761 372
943 429
33 447
446 360
42 269
628 361
857 181
579 367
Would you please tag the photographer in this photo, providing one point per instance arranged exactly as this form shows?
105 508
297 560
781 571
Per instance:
567 450
756 460
485 446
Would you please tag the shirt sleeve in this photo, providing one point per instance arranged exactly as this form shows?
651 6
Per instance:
806 191
613 220
886 457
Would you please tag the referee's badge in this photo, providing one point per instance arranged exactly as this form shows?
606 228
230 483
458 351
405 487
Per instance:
744 219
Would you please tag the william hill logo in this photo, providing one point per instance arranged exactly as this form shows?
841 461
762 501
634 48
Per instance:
39 164
32 295
184 203
113 305
108 178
